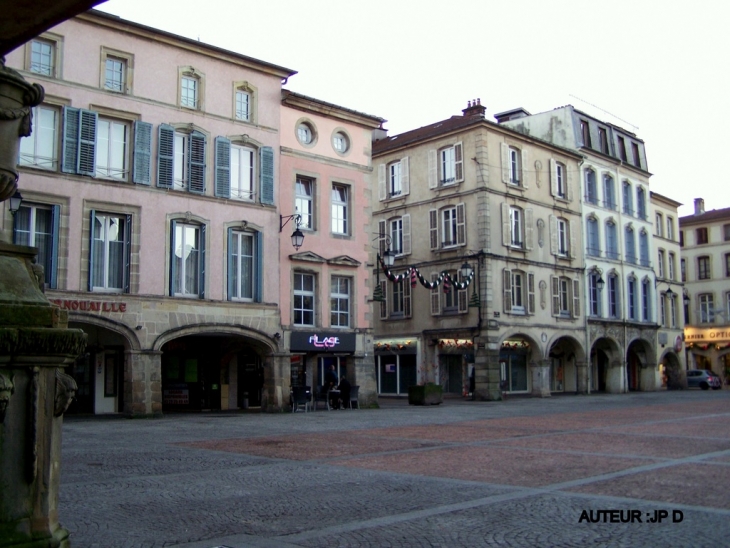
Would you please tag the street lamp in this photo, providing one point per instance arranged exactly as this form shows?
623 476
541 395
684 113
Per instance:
669 293
297 237
466 270
600 284
15 201
388 258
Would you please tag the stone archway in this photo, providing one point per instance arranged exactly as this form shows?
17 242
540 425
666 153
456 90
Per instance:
567 361
605 366
673 377
641 371
522 369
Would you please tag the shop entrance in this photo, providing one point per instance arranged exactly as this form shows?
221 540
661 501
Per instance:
451 373
513 365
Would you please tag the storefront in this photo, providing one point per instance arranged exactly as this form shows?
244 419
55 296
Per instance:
709 348
513 362
456 365
396 366
315 351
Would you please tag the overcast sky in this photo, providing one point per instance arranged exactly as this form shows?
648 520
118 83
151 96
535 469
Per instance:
659 69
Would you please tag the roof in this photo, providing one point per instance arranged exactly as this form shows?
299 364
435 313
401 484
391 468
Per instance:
665 199
381 146
302 102
706 217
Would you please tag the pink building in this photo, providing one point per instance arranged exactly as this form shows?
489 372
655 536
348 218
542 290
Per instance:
325 186
149 189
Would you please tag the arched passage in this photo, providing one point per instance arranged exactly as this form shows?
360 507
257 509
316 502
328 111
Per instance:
567 365
641 372
516 355
605 366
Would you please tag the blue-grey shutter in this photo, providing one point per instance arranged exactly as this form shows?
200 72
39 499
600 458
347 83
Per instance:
196 162
259 268
165 155
92 221
229 274
173 226
52 276
128 254
266 174
87 143
142 171
222 167
70 152
201 286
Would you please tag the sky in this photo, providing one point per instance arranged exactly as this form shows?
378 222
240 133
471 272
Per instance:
658 69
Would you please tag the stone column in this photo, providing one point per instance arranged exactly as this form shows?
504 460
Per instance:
540 371
143 383
486 371
615 375
584 383
365 379
277 382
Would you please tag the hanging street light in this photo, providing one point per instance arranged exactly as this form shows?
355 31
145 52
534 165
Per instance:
297 237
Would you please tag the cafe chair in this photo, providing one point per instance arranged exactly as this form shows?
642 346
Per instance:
321 395
301 396
353 397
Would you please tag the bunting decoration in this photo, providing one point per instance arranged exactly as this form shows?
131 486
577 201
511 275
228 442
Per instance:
412 273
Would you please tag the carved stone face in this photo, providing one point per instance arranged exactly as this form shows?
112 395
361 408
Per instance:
65 393
4 401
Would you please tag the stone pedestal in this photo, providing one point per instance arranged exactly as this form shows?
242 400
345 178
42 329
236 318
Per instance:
35 345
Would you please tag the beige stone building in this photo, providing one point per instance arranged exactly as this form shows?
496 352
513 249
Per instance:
467 190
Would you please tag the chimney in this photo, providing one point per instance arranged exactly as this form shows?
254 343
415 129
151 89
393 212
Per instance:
699 206
513 114
474 108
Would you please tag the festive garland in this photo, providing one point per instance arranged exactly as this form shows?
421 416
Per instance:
414 274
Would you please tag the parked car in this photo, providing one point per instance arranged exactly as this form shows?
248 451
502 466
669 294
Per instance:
701 378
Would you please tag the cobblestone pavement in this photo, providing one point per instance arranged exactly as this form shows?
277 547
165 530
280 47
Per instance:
524 472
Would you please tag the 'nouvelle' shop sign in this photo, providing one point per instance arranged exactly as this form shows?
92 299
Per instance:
322 341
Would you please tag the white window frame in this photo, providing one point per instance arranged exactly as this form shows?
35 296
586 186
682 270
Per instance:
595 295
614 297
31 147
180 280
660 263
36 63
340 209
612 247
627 195
448 227
180 173
515 166
671 258
189 79
673 311
243 173
395 230
112 154
301 293
244 266
304 201
659 221
632 297
115 76
242 99
646 300
670 228
518 289
560 182
609 192
340 301
395 187
563 228
102 260
593 238
706 308
516 223
591 187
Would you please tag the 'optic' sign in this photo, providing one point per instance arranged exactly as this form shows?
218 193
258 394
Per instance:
322 341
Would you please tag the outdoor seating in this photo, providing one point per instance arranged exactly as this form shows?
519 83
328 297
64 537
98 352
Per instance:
301 396
321 395
353 397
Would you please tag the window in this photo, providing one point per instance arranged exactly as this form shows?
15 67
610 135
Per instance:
591 190
563 237
450 165
663 310
37 225
646 300
340 210
632 296
560 185
609 193
304 286
585 132
613 296
245 272
727 266
681 238
683 268
622 149
397 302
304 201
673 311
594 295
641 202
306 133
242 172
40 148
516 227
187 260
726 232
659 225
628 201
703 268
394 179
115 73
670 228
565 297
515 167
637 157
181 159
592 237
453 226
644 247
340 142
189 92
109 252
43 57
448 300
398 229
660 264
519 292
701 236
340 301
630 245
243 105
111 149
707 308
396 235
611 241
671 266
603 140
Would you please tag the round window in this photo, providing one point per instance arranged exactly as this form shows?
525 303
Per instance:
304 133
339 142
